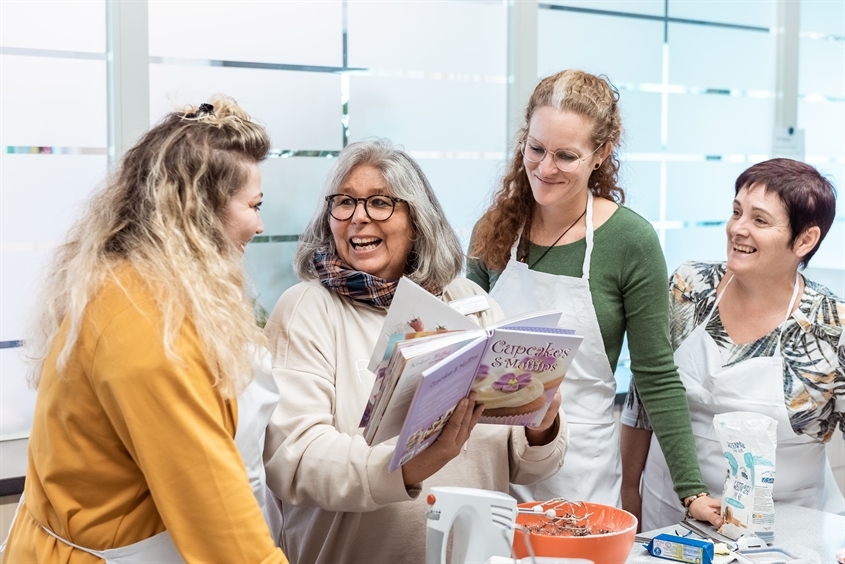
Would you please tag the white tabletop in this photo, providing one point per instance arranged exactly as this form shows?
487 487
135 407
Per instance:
795 527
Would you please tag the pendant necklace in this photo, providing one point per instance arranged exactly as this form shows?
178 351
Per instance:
532 265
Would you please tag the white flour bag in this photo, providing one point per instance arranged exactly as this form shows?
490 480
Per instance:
749 442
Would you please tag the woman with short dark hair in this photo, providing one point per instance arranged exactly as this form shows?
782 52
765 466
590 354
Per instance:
752 334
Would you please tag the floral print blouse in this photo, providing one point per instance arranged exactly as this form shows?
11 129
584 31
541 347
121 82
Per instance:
812 346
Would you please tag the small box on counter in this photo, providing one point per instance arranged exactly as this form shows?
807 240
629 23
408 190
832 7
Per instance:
681 549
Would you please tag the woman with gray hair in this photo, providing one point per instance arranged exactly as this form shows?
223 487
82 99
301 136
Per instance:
338 501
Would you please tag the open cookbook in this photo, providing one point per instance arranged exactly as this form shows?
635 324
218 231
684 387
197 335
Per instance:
429 356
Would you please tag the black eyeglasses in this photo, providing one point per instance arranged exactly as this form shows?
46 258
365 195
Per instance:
377 207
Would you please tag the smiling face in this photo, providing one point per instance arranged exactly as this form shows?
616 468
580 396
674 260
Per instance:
560 131
380 248
241 217
759 233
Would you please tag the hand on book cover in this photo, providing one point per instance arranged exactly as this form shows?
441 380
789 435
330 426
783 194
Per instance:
546 432
447 446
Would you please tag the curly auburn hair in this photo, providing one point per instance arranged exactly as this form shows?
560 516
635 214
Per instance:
591 96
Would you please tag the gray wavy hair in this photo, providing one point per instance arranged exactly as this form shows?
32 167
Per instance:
436 256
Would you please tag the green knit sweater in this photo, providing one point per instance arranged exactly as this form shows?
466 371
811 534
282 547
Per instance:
628 284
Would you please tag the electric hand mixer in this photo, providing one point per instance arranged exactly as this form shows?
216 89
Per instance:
483 524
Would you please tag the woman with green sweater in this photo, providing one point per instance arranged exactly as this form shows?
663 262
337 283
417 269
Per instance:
557 237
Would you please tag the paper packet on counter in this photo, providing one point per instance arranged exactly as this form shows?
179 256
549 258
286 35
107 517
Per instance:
749 443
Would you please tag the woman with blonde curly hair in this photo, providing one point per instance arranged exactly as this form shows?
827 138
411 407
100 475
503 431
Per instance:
149 403
557 236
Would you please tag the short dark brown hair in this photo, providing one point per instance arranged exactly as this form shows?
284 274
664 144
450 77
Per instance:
809 197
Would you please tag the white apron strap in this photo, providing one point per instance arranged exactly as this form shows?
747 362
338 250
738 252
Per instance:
97 553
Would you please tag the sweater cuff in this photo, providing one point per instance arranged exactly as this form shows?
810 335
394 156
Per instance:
387 487
541 452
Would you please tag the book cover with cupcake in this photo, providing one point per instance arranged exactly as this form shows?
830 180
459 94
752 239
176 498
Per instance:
515 368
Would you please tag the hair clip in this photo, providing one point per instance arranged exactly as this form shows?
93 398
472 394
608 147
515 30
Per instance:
205 109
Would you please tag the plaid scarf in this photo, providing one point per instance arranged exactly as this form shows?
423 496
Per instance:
362 287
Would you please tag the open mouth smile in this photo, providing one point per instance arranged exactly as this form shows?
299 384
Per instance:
743 249
364 243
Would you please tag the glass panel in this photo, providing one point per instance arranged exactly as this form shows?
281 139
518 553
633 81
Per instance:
649 7
701 191
707 124
821 67
17 402
291 193
464 189
641 181
823 16
824 123
830 254
270 268
569 40
62 26
428 115
301 110
640 121
42 195
743 12
53 102
22 274
300 33
464 37
712 57
695 243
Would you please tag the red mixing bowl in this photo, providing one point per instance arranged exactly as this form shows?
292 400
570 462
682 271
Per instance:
612 533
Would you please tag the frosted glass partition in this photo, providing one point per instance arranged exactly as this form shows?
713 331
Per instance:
719 125
701 191
302 33
62 26
43 195
645 7
640 121
17 400
824 123
823 16
641 181
23 270
694 243
270 268
302 110
827 54
457 37
53 102
714 57
291 192
573 40
463 188
739 12
428 115
831 254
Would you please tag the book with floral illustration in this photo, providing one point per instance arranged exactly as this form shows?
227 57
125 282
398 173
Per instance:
515 368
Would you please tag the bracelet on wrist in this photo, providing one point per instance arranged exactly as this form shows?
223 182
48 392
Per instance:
687 501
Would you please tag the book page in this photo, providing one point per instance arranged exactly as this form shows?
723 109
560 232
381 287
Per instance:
413 309
439 390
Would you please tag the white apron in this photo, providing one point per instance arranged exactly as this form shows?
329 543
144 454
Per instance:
592 469
255 406
802 476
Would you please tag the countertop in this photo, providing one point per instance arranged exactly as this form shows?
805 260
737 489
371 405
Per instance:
795 527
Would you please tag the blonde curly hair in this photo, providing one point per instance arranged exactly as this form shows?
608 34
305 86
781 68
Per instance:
161 214
593 97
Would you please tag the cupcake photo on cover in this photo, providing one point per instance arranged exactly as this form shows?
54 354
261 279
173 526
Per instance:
516 386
